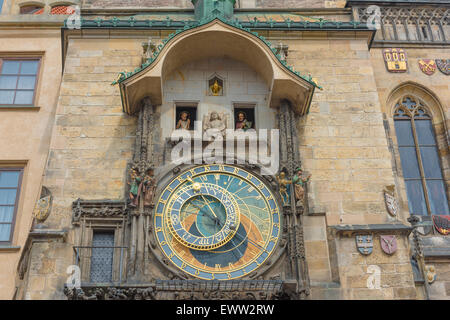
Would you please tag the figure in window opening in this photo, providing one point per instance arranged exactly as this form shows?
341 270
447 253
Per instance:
299 182
135 181
184 122
285 188
242 122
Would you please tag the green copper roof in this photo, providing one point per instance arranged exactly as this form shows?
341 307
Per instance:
204 8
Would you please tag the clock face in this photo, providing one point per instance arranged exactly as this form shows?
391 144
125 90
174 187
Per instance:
217 222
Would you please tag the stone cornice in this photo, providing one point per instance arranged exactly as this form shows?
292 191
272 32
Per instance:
351 230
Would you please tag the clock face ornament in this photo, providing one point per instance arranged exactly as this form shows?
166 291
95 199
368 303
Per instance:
217 222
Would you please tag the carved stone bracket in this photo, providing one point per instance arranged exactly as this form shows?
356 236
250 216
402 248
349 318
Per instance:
97 209
352 230
191 290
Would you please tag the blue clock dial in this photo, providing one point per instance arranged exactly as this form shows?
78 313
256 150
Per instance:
217 222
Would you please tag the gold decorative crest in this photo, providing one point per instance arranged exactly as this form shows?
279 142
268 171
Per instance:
395 60
42 209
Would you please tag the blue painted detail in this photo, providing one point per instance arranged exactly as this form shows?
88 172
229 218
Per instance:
165 195
160 236
230 252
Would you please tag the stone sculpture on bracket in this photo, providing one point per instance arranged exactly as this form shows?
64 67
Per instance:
285 188
299 186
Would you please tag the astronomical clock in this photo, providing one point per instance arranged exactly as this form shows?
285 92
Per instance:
217 222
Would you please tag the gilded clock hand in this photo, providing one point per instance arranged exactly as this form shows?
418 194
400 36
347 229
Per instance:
249 240
207 203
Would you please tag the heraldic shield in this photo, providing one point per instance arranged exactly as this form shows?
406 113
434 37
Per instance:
443 65
442 224
388 244
364 244
428 66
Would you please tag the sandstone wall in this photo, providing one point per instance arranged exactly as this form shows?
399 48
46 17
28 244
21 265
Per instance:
25 136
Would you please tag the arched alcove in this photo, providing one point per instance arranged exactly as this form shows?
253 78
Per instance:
217 39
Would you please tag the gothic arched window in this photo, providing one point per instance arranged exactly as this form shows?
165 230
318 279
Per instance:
422 172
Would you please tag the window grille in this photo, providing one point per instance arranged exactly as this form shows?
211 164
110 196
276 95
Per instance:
102 257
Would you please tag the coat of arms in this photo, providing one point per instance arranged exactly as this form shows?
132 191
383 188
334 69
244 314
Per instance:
442 224
389 199
388 244
443 65
42 209
428 66
364 244
395 60
431 273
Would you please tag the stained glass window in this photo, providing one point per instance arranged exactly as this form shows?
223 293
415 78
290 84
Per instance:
9 191
419 156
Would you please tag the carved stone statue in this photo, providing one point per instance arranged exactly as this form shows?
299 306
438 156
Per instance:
184 122
147 188
214 120
285 188
299 182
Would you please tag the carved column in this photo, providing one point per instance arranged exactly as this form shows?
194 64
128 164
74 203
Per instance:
143 161
289 159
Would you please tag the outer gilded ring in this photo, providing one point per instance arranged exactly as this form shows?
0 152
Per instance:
214 241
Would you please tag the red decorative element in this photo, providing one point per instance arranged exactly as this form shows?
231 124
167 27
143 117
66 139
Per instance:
61 10
428 66
388 244
442 224
40 11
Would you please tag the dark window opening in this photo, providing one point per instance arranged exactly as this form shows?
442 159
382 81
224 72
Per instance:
31 9
424 32
244 118
185 117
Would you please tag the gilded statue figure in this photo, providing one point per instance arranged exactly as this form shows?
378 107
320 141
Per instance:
216 88
285 188
299 182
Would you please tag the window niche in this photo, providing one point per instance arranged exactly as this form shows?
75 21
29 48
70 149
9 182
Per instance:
185 116
419 156
100 251
244 117
216 85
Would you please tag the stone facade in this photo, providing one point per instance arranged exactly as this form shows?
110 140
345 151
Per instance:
346 142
